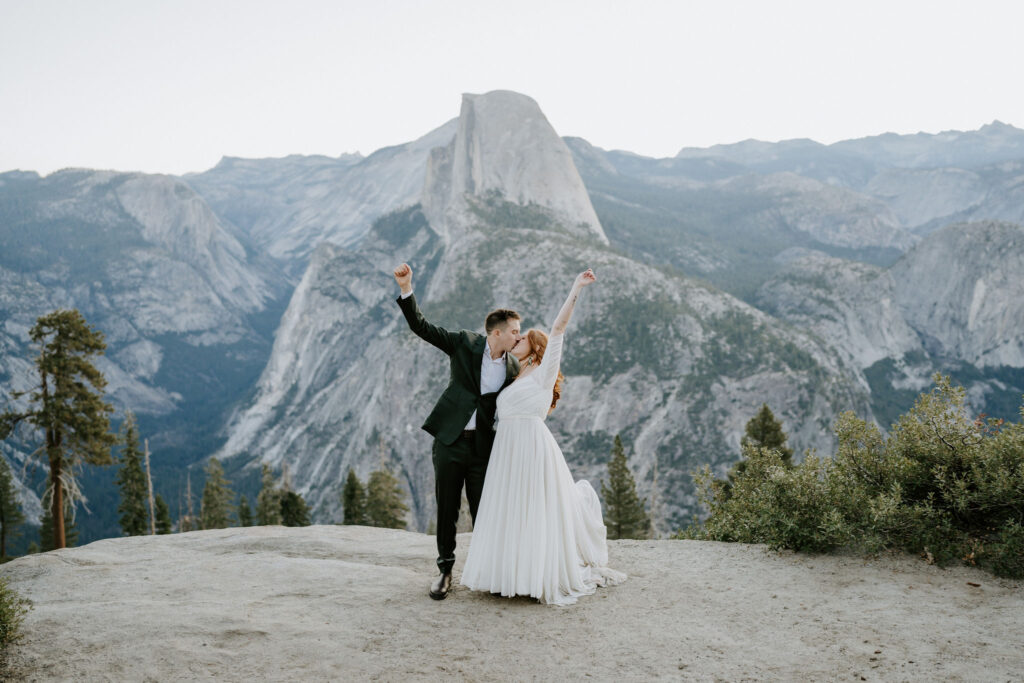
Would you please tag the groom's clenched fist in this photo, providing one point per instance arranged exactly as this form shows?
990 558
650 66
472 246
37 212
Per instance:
403 276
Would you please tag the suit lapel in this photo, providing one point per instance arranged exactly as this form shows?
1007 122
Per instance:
478 360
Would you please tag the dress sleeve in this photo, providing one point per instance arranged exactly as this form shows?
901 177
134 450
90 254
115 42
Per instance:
552 361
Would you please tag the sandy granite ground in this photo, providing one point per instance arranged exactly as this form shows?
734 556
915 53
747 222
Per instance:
342 603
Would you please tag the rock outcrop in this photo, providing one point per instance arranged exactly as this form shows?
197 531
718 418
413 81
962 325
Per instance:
350 603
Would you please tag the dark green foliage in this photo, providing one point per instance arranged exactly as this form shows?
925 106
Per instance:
46 530
11 516
625 516
13 609
1007 550
497 213
163 515
634 336
268 501
294 511
215 512
941 485
131 480
399 227
68 406
353 500
385 500
762 431
244 512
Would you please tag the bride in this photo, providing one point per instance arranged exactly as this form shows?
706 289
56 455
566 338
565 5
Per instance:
537 532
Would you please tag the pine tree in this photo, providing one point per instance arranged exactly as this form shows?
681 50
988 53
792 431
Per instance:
268 501
625 516
215 512
294 511
353 500
762 431
385 500
163 516
131 479
72 416
46 535
11 516
244 512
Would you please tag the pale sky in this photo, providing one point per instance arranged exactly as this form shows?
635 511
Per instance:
171 86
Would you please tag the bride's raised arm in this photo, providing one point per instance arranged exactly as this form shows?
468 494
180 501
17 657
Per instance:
562 321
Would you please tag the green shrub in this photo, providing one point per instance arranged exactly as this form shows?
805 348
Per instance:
941 485
1007 552
13 609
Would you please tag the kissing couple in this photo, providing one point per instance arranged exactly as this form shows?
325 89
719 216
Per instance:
535 531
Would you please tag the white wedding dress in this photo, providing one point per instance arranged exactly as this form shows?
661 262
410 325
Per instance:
537 532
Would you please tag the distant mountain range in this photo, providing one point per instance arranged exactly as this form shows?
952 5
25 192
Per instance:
248 309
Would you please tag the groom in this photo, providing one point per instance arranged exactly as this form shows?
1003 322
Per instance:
462 421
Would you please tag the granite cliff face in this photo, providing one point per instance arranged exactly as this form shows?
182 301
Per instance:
675 366
963 290
852 305
506 148
952 304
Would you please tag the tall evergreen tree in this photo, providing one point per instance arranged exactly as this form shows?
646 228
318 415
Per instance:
131 479
215 512
46 535
163 516
385 500
268 501
764 431
11 516
67 407
761 431
625 516
353 500
244 512
294 511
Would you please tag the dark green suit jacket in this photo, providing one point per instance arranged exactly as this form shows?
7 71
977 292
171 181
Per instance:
465 350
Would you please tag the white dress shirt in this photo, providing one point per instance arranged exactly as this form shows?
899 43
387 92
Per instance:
492 376
492 373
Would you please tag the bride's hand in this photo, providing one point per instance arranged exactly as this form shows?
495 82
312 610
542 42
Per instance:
585 278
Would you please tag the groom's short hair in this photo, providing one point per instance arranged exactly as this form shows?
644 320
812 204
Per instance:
499 318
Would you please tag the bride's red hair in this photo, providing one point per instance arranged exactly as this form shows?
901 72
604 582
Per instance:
539 343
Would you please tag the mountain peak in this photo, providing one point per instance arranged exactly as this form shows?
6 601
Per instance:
505 146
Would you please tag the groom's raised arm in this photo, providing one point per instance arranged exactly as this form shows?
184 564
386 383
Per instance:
438 336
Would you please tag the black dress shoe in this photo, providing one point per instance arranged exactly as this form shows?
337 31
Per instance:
439 589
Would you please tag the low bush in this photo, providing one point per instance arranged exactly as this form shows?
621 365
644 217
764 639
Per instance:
13 609
942 485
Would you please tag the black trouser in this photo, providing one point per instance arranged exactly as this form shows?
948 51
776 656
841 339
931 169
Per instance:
462 463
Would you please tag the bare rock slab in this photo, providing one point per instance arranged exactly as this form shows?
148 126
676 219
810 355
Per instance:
335 602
